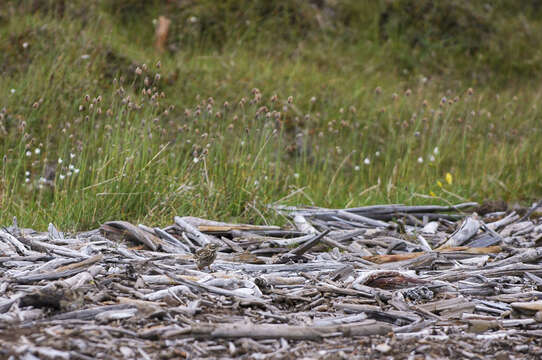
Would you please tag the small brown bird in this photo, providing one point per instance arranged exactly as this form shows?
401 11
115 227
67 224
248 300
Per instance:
206 256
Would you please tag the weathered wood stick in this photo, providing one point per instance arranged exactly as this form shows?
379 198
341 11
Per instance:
300 250
42 246
213 289
466 231
62 272
31 258
131 232
510 218
529 255
531 210
375 209
87 314
292 268
362 219
200 237
170 239
374 311
19 246
277 331
511 269
452 252
207 225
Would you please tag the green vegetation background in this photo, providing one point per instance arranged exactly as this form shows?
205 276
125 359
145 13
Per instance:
324 102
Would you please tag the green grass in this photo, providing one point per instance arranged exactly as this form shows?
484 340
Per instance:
146 158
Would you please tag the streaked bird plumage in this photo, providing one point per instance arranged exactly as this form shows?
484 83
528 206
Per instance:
206 256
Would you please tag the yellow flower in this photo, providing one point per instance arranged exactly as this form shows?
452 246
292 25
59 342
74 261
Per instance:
449 178
432 194
439 183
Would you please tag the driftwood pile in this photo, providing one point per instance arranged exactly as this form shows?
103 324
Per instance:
387 280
